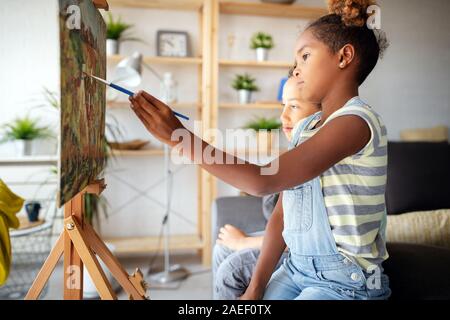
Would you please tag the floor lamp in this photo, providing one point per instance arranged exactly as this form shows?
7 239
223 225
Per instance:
129 73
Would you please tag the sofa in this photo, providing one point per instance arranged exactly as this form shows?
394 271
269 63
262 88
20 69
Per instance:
418 179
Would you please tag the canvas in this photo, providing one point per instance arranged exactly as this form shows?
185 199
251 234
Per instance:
82 143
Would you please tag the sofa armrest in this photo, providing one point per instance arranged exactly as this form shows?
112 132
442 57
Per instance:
244 212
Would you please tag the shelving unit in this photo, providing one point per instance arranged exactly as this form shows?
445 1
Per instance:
195 5
256 105
255 64
208 64
138 245
203 65
138 153
161 60
176 105
270 10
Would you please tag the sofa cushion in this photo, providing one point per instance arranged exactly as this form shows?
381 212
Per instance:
422 227
418 272
268 204
418 176
435 134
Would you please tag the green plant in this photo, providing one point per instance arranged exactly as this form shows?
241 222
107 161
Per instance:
115 29
262 123
261 40
93 206
244 82
25 129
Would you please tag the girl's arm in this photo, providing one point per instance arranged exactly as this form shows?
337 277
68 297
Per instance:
271 251
338 139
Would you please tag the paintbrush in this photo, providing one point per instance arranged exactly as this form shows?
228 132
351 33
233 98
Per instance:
127 92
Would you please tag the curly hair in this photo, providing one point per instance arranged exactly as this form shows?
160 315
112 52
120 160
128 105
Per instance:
346 24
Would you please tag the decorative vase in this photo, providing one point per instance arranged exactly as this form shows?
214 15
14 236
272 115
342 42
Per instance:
244 96
33 208
262 54
112 47
44 147
23 147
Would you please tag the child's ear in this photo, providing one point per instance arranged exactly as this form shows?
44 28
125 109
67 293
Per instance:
346 55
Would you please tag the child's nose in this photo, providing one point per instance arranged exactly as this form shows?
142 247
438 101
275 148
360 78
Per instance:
284 117
296 73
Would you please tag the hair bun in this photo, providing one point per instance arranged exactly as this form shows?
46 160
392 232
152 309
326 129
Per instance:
352 12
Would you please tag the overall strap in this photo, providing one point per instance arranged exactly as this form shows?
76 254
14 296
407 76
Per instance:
304 124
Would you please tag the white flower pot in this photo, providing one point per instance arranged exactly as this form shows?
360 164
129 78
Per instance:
244 96
89 290
112 47
23 147
44 147
262 54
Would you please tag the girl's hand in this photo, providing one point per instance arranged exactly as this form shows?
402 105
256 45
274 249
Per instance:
156 116
232 237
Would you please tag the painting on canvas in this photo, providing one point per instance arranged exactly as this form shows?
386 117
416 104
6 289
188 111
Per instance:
82 49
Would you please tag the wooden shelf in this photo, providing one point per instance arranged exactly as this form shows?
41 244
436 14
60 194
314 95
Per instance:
158 4
138 153
271 10
29 160
256 64
160 60
177 105
143 245
257 105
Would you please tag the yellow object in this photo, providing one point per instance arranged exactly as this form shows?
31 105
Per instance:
10 204
422 227
435 134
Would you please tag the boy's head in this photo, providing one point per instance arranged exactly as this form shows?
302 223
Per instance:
337 48
294 107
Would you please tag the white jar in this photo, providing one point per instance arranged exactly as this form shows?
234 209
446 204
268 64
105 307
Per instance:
168 89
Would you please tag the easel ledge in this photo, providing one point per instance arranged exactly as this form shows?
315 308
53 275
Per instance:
80 244
101 4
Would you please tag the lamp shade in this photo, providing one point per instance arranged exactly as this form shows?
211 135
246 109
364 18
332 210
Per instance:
129 70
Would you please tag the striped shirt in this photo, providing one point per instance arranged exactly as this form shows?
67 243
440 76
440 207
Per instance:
354 189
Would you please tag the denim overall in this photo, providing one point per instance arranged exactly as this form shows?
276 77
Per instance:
314 268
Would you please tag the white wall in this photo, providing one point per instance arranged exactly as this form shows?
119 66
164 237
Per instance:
410 86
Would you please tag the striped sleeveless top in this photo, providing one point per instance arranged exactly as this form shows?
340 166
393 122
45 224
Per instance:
354 189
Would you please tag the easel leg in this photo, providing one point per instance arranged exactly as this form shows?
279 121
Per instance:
73 266
94 241
46 270
77 242
92 265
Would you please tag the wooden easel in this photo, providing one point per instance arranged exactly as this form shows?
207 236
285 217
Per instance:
79 243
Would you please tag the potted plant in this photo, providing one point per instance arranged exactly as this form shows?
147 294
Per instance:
263 128
261 42
115 34
245 85
23 131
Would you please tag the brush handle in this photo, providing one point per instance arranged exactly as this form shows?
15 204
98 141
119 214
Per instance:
115 86
179 115
128 92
